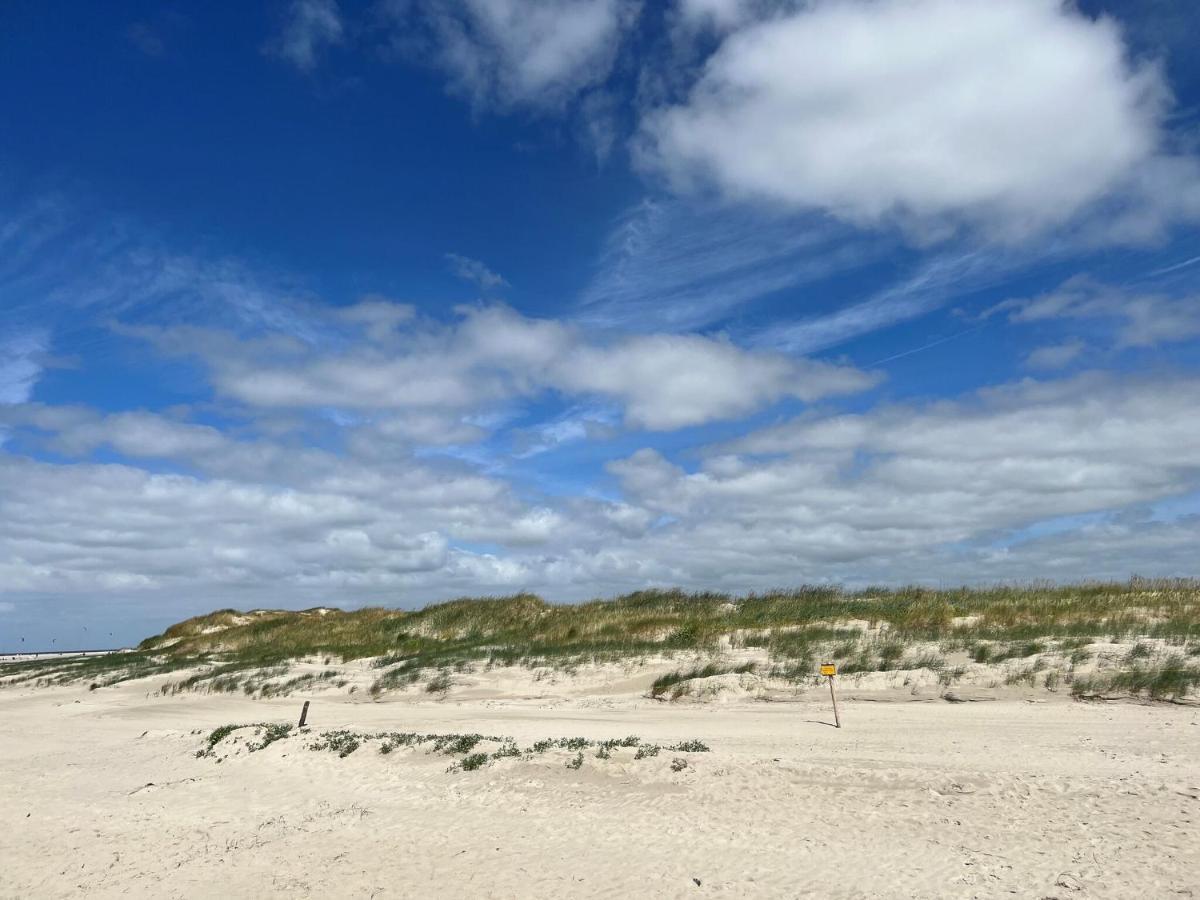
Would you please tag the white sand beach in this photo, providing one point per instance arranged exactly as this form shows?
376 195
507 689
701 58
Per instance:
104 796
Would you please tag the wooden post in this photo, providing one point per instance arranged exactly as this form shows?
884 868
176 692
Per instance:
829 670
837 722
304 714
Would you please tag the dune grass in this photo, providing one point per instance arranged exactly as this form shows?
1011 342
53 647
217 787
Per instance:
1169 678
876 629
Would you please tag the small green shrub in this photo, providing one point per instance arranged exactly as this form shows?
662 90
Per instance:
474 761
509 748
271 734
1138 651
439 684
341 742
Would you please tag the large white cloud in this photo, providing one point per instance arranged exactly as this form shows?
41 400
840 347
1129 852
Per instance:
493 355
850 496
1011 116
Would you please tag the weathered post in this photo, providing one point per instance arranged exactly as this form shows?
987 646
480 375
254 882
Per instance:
304 714
829 670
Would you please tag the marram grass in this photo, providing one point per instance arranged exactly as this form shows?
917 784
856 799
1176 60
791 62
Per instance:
875 629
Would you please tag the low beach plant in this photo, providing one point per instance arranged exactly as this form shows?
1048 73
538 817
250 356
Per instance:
467 747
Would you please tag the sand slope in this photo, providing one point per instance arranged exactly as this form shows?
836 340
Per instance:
103 797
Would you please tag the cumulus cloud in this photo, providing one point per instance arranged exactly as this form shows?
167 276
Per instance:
853 495
370 525
1141 319
672 381
1012 117
533 53
893 494
493 354
309 27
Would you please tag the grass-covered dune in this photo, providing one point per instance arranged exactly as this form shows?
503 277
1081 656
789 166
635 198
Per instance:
877 629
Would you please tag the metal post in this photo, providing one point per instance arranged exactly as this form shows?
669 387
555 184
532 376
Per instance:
837 722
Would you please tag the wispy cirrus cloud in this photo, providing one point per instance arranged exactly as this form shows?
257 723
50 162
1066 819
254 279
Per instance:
309 27
20 364
1142 319
679 265
60 272
945 277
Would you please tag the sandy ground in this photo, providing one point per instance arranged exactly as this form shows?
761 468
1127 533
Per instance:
102 796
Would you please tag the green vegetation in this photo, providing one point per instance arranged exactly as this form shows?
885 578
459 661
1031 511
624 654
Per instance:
344 742
271 732
877 629
1170 678
473 761
677 680
341 742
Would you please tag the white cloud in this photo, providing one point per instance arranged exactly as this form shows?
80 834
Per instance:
1142 319
575 424
893 490
672 381
674 265
945 489
476 272
1009 116
725 15
1055 356
310 26
379 316
534 53
721 13
20 365
493 355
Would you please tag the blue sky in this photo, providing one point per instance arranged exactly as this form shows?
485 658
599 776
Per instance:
344 303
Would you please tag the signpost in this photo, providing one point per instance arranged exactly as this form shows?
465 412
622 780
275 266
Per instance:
829 670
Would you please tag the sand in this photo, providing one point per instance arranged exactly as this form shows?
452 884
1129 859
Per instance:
103 796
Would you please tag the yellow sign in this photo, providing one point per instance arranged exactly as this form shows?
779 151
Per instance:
829 669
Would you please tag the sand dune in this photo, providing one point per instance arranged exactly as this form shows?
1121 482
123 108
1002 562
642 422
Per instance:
104 796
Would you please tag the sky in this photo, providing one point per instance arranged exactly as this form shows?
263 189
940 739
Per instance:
325 302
